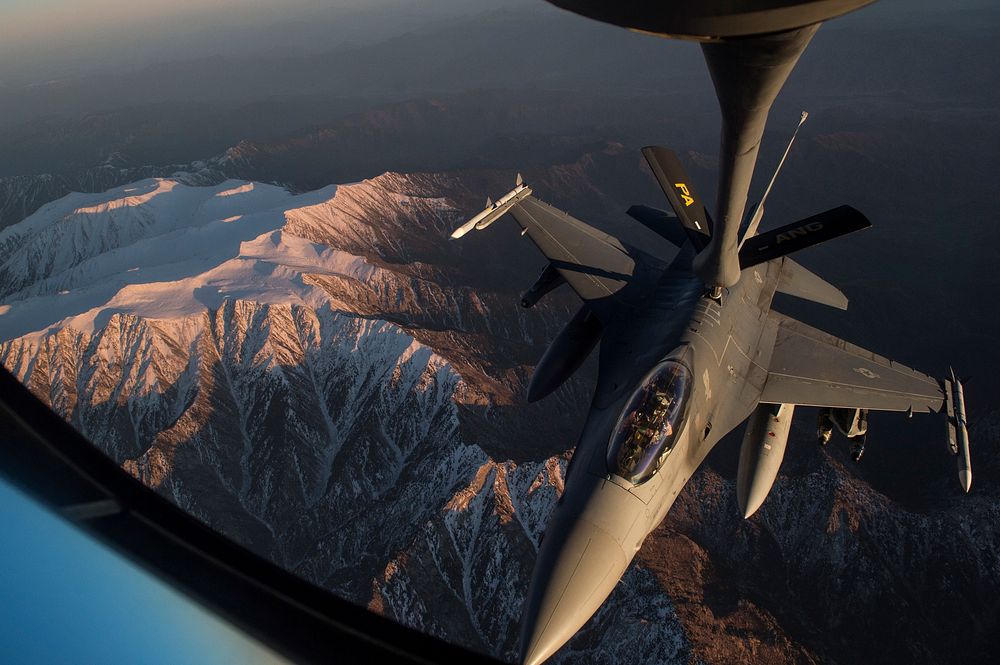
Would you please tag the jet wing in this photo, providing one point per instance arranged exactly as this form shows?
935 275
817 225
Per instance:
596 265
812 368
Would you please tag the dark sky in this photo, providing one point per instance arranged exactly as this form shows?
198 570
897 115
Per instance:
49 39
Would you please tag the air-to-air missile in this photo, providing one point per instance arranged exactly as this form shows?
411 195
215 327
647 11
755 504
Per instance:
494 211
958 434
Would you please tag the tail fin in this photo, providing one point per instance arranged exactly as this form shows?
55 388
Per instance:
681 193
799 235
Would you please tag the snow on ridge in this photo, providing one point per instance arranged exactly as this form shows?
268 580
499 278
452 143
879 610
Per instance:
353 202
57 239
138 194
239 189
168 200
160 249
264 278
300 254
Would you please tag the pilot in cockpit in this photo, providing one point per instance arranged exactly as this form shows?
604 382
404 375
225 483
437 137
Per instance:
649 423
647 427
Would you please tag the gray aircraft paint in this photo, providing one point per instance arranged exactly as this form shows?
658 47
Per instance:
739 355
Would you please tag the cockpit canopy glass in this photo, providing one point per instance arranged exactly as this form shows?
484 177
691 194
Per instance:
647 428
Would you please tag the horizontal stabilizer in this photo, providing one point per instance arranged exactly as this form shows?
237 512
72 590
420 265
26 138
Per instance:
680 192
801 283
799 235
660 222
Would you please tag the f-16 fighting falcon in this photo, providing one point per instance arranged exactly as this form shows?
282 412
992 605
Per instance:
690 347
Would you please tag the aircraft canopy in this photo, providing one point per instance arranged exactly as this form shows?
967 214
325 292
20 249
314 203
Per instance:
647 428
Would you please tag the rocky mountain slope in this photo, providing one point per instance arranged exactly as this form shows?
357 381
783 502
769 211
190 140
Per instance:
318 401
325 379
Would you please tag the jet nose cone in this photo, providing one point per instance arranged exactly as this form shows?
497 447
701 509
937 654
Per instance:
572 578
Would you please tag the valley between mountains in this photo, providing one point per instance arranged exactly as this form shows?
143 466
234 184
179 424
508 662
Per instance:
326 379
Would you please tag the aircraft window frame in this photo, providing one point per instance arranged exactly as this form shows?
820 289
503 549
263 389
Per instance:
674 379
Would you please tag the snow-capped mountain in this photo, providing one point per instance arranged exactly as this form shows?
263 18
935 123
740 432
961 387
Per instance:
22 195
326 379
317 401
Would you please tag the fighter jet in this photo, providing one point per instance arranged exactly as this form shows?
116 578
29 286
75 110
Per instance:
690 347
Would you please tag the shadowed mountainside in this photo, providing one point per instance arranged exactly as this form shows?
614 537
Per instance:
370 435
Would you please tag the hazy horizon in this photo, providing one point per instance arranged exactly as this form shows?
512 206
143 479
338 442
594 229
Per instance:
49 39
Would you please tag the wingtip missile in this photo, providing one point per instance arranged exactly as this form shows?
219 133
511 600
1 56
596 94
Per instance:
464 228
494 211
958 432
965 478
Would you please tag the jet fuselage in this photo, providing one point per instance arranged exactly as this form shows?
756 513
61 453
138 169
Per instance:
602 518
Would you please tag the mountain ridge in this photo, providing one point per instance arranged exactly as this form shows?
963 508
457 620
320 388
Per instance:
372 437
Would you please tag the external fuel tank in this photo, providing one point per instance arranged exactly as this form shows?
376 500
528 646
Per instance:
761 454
566 353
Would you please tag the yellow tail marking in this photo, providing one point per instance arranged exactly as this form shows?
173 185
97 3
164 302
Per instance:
685 193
